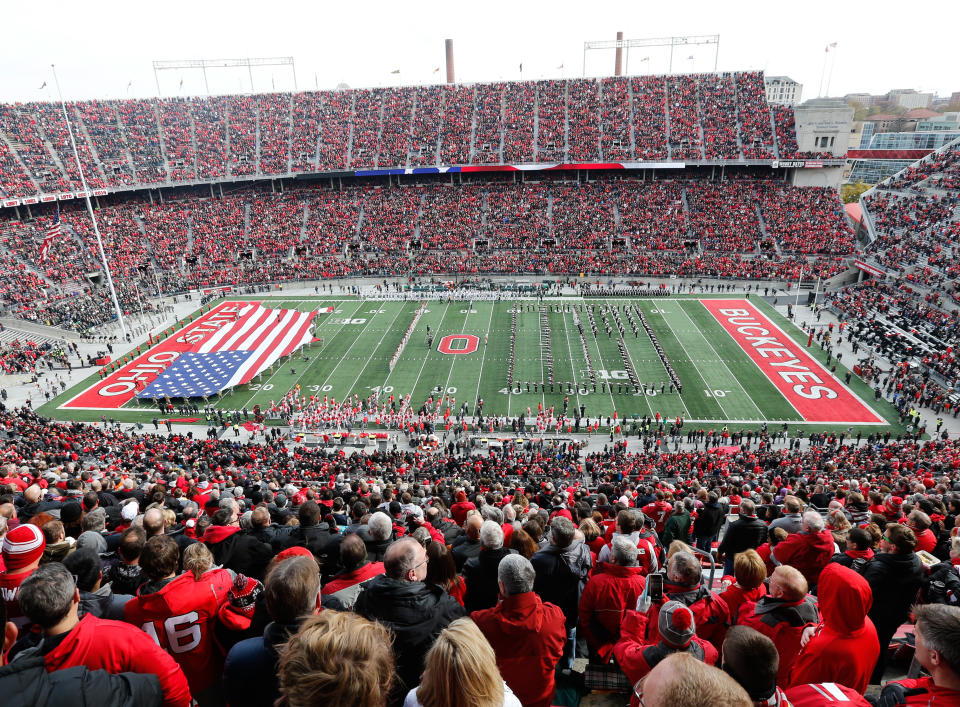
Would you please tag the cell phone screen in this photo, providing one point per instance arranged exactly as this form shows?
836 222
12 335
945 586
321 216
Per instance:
655 587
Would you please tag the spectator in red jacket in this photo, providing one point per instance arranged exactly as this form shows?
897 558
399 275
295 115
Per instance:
938 651
659 510
50 599
527 634
920 523
611 591
782 615
459 509
751 659
684 583
809 550
180 613
677 631
844 648
750 573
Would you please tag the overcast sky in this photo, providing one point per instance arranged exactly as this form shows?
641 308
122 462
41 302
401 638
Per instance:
99 48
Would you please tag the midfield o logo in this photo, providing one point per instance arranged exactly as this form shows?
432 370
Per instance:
458 344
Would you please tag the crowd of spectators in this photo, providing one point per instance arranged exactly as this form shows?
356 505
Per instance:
170 140
27 356
685 138
615 119
754 115
248 573
256 236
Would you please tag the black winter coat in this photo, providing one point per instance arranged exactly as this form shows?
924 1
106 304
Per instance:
480 574
709 521
895 579
744 534
942 581
416 613
561 577
26 683
243 554
250 671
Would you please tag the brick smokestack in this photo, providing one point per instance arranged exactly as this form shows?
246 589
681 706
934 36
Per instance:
449 46
618 67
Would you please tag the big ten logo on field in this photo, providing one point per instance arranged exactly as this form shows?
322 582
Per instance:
458 344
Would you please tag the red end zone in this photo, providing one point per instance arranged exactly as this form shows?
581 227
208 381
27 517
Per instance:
120 386
812 390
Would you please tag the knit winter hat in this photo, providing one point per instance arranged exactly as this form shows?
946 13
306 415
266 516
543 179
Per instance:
237 613
22 546
71 512
676 624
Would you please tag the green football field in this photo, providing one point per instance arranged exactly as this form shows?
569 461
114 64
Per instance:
357 340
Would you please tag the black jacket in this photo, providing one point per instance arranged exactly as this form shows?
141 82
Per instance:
240 553
561 576
416 613
942 581
318 539
480 574
26 683
250 670
895 579
745 534
463 549
709 520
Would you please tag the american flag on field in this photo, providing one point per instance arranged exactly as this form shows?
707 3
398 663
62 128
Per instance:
53 231
235 354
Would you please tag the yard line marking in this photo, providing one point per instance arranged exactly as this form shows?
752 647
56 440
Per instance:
373 351
543 388
425 359
721 359
645 396
308 367
353 343
573 368
689 358
453 363
483 358
602 365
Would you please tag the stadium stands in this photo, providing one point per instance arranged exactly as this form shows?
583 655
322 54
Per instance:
172 140
627 226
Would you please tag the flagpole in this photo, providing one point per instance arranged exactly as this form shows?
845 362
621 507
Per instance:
93 218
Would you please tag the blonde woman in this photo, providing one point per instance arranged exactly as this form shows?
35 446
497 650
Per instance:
337 658
461 671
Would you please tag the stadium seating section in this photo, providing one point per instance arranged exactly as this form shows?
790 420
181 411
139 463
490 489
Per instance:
615 226
130 143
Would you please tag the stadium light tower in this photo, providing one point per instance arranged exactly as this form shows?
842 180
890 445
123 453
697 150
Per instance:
620 44
86 196
204 64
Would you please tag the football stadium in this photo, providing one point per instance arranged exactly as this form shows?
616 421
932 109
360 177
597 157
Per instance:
459 384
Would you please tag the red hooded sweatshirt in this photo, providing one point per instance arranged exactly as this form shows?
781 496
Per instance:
845 647
808 552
